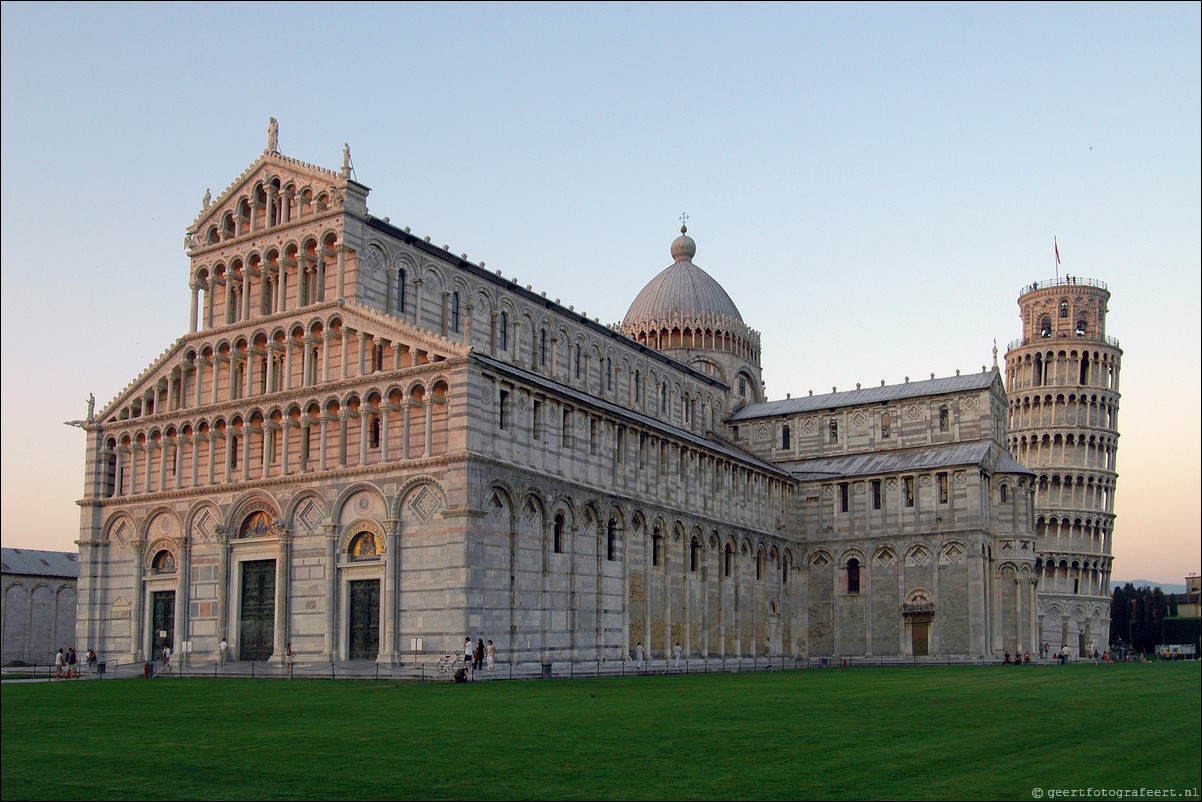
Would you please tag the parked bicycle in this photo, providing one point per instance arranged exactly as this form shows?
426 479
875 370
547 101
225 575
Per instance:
450 663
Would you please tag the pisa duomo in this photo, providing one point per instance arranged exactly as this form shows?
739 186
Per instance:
368 447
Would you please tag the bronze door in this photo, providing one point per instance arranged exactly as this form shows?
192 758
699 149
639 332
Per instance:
256 620
162 621
365 620
920 632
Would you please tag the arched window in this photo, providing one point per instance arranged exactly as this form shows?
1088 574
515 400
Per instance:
886 425
742 387
834 431
1081 327
694 555
455 312
542 347
657 548
503 332
663 398
374 438
400 291
759 565
638 387
853 575
784 438
1064 309
1004 494
364 547
1045 327
558 540
577 361
943 418
728 559
611 540
163 563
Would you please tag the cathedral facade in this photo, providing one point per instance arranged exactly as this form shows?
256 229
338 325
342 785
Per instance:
368 447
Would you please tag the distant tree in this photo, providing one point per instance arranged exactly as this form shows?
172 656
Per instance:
1159 608
1120 615
1139 607
1173 605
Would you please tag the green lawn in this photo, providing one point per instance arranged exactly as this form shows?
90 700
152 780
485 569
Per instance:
865 733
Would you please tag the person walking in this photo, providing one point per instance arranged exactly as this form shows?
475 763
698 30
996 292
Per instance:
676 654
60 662
478 656
166 655
638 655
490 654
221 647
72 663
467 653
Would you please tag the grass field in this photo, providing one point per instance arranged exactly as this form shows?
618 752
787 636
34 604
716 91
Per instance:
869 733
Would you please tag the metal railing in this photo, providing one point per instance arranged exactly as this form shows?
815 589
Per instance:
1062 281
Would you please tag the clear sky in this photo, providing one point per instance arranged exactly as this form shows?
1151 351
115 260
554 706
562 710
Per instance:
872 184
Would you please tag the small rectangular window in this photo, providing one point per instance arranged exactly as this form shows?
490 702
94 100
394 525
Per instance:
592 436
876 494
503 410
942 478
567 428
657 549
834 431
537 423
908 490
844 492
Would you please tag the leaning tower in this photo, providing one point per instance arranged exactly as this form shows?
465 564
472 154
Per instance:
1062 379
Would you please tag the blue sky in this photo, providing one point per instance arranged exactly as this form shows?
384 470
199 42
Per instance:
872 184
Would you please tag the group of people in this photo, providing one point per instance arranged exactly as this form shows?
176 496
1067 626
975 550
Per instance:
67 662
1018 660
476 657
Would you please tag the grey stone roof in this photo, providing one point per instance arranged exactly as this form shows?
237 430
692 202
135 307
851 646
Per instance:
30 562
868 395
912 459
681 291
584 399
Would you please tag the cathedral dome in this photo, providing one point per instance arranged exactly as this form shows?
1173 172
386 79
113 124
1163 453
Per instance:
681 292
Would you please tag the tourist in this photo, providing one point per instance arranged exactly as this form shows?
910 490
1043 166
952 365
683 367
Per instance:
1064 655
478 656
72 663
1007 660
60 662
638 655
221 647
490 654
166 655
91 658
288 658
1027 656
467 653
676 653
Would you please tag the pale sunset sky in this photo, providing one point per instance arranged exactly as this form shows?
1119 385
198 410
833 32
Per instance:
872 184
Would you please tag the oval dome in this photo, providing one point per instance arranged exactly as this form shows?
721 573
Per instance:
681 291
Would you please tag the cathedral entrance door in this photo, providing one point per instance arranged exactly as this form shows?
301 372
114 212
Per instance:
364 622
162 621
256 620
920 630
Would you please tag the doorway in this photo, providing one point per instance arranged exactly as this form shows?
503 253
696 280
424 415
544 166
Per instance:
256 620
364 622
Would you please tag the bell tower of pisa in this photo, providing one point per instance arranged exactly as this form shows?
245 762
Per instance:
1062 381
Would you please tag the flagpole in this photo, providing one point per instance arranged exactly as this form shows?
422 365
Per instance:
1056 250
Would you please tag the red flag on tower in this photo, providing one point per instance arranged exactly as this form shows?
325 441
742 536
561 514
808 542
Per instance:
1057 247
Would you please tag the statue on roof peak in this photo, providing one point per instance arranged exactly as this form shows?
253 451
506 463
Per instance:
273 136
